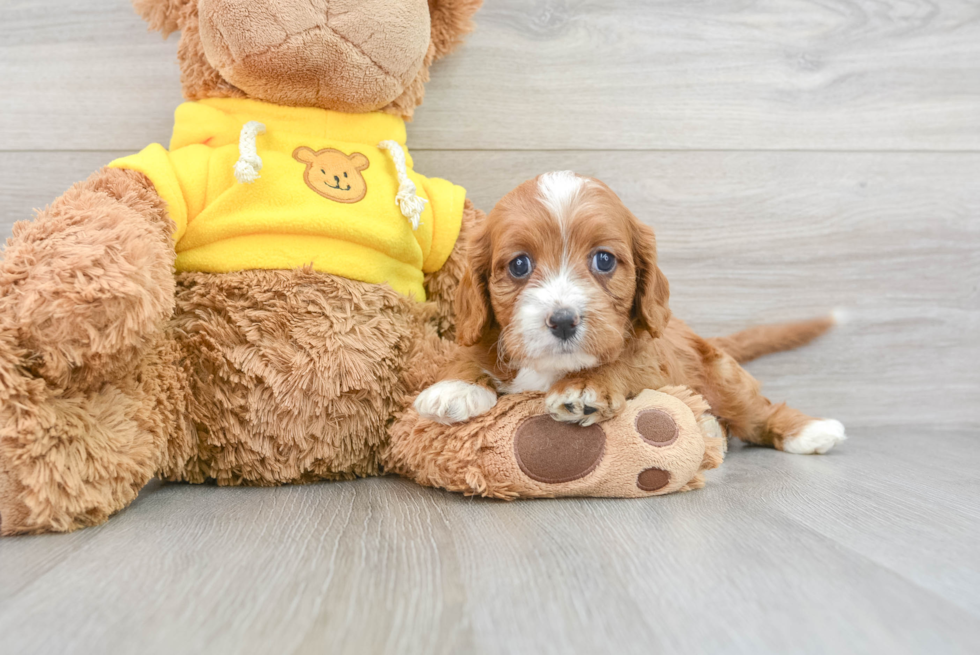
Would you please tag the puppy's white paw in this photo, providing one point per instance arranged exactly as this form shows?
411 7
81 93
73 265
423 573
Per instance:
816 437
454 401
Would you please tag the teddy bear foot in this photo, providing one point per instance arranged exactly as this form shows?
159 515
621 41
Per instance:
655 447
661 443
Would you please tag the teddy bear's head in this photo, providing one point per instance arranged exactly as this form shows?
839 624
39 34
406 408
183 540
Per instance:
346 55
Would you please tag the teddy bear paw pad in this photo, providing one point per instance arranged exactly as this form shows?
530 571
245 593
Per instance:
553 452
657 427
653 479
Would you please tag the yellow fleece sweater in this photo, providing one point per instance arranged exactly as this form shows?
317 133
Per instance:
326 195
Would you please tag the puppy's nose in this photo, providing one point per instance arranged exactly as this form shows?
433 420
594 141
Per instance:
563 323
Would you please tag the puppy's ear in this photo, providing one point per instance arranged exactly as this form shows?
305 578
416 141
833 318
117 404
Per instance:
451 21
651 310
474 314
163 15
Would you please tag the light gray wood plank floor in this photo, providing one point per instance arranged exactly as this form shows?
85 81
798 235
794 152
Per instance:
794 157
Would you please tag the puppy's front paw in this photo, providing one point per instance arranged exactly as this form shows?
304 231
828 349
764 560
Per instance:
578 401
454 401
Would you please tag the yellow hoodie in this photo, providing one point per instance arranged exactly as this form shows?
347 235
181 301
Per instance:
325 194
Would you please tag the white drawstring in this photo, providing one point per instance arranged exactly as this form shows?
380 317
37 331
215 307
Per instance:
249 163
408 200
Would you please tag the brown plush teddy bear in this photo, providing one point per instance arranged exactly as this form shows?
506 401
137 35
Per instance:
313 296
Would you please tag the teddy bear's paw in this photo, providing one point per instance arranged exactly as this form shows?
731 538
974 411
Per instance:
655 446
454 401
672 447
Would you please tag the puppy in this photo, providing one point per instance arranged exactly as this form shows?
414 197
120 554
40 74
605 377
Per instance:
563 295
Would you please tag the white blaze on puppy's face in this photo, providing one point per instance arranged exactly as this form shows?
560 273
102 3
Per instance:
560 192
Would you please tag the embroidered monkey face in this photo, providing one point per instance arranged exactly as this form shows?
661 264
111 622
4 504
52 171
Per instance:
333 174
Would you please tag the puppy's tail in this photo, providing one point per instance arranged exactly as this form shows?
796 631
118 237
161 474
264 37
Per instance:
762 340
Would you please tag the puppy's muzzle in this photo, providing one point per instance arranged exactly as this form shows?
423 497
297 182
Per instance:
563 323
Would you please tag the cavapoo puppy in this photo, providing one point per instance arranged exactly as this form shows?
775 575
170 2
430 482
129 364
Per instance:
563 295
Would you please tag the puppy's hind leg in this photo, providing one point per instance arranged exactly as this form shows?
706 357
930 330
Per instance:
735 398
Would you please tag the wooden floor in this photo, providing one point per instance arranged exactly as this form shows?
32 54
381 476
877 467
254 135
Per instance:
795 157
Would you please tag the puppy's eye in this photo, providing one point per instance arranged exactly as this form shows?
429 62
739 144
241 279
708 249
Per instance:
603 262
520 266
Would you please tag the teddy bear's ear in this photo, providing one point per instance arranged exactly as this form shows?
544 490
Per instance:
451 21
304 155
360 161
163 15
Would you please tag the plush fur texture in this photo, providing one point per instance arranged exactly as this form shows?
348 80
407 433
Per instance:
89 388
563 249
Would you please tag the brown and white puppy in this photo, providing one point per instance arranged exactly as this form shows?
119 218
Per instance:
563 295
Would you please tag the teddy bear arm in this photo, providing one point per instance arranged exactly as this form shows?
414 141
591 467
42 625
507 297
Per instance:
85 283
90 384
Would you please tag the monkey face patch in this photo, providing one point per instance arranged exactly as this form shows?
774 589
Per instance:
333 174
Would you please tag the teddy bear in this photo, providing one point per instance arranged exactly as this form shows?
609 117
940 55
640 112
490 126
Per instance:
259 303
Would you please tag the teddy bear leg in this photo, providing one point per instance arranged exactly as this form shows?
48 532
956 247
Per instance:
88 382
661 443
71 457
